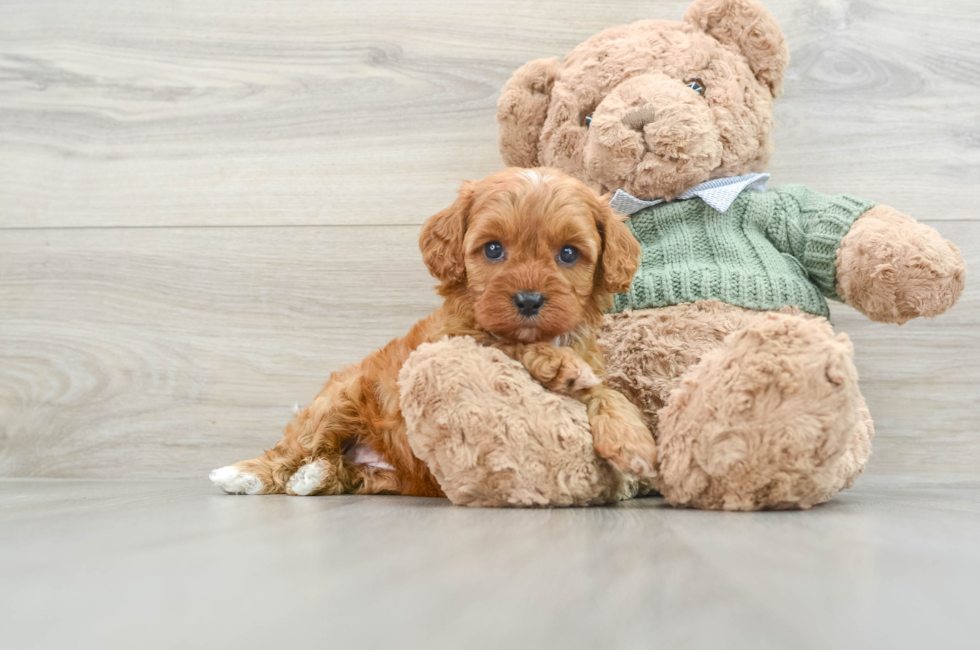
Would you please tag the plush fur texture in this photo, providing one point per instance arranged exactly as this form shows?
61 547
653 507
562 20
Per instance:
494 437
751 410
892 268
532 215
650 134
771 419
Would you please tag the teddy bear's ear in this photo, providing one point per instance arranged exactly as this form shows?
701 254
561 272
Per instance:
749 26
522 109
441 239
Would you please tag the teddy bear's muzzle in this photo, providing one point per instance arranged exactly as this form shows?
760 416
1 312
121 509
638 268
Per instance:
652 136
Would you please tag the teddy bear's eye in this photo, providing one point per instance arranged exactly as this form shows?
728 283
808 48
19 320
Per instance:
696 85
588 120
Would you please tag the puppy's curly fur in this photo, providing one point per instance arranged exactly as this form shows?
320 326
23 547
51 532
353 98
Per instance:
530 216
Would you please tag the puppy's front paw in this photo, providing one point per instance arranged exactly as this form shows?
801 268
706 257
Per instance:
621 437
637 457
559 369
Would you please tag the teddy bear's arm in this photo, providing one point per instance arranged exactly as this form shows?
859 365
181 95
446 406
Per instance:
875 259
809 226
892 268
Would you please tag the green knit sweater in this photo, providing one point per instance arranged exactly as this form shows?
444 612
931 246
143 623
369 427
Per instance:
768 250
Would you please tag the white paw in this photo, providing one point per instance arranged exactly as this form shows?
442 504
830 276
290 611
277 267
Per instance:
307 478
586 378
642 468
234 481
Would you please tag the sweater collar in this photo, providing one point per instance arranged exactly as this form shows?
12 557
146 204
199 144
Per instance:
719 193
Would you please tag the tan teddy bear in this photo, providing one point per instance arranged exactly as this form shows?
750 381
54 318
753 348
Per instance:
722 340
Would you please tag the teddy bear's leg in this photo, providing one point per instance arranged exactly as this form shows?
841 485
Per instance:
618 430
648 351
493 436
772 419
859 447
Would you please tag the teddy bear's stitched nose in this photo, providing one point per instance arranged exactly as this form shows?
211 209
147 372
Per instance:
637 118
653 137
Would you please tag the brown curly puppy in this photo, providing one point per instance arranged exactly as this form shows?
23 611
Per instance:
527 261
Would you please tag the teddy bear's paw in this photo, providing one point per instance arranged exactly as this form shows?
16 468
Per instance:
894 269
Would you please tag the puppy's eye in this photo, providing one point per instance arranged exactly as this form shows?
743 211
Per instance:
493 250
696 85
568 255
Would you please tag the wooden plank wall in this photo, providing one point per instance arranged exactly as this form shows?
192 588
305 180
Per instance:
205 207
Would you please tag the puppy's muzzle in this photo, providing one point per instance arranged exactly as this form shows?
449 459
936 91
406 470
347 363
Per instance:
529 303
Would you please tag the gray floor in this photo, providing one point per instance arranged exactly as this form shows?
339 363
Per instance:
173 564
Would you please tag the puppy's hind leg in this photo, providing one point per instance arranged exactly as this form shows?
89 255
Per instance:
326 474
331 426
337 420
310 460
266 474
323 428
309 454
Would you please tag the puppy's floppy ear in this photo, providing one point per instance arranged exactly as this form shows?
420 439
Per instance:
441 239
522 109
620 250
748 26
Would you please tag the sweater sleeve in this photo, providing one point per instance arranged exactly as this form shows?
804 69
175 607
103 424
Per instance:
809 226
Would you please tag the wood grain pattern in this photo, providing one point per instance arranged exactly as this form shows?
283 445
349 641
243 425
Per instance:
206 207
256 112
163 352
133 352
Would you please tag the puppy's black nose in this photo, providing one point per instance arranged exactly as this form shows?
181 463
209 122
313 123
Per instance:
529 303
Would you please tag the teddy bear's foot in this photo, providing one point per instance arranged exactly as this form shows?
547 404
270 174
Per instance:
493 436
773 419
